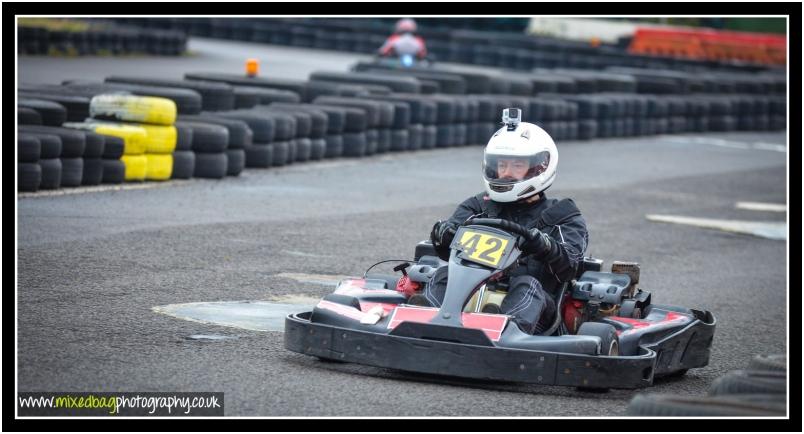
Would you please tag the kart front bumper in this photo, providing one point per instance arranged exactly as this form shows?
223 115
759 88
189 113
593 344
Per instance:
457 359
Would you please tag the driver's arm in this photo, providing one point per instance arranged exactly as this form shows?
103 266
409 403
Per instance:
564 249
466 209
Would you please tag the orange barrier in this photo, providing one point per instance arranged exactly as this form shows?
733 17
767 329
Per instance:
760 48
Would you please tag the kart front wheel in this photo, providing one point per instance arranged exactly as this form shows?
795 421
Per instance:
609 341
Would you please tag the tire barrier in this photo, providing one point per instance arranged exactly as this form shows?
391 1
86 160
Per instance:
209 145
519 50
129 108
51 113
214 96
88 37
225 123
188 101
758 390
28 116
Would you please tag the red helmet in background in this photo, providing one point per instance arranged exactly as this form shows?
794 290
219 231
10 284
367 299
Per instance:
405 25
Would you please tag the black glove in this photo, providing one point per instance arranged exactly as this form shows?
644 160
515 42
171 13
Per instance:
443 232
539 245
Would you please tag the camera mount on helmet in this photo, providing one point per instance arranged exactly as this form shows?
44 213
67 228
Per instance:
512 117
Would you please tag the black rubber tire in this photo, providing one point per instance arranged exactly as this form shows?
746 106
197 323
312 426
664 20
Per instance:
397 84
208 138
750 382
184 137
95 145
77 106
722 123
295 86
400 140
245 97
281 151
214 96
113 147
334 145
239 132
415 136
235 161
187 101
52 113
304 149
461 134
93 171
319 118
263 127
610 343
372 109
51 173
183 165
300 124
429 137
114 171
354 144
771 362
29 176
284 124
384 141
372 141
675 405
292 151
318 149
355 120
73 142
259 155
72 171
28 116
29 149
210 165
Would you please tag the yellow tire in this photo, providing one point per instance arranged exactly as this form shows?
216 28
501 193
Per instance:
135 138
159 167
136 167
161 138
131 108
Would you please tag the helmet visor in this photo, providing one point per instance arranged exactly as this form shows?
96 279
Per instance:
508 169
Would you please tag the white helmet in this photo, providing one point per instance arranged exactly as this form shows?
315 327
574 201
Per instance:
521 148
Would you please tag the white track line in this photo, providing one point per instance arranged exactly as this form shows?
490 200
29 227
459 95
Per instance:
762 206
760 146
771 230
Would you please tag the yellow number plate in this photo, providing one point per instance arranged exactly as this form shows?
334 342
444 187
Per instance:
483 248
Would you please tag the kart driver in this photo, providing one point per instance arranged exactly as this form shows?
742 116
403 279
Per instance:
519 164
404 41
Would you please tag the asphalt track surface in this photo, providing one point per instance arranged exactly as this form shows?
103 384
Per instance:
91 265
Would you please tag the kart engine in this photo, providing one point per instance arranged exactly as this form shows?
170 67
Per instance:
597 294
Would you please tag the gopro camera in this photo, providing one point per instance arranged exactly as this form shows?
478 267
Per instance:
512 117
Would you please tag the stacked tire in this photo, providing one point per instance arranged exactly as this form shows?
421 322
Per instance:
29 172
209 143
758 390
148 122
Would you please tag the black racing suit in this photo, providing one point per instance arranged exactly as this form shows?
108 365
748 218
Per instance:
535 282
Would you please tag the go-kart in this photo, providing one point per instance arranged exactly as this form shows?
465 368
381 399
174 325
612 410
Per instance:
607 332
403 61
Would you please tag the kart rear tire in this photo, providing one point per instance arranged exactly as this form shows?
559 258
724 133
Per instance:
610 342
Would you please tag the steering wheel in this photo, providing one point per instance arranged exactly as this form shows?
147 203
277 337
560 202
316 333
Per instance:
505 225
